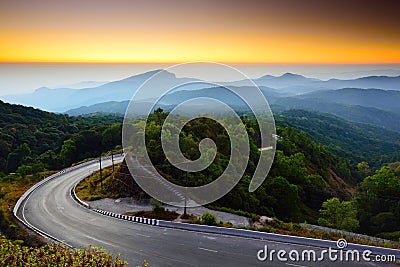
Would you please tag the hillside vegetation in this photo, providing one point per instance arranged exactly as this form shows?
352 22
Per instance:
307 170
356 142
303 175
34 144
307 181
32 140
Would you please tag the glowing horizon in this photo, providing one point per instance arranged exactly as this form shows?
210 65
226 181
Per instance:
257 32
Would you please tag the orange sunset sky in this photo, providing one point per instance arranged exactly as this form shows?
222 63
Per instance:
308 31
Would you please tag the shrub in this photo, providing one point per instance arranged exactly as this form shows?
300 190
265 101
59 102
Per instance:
13 254
157 205
395 236
384 222
208 218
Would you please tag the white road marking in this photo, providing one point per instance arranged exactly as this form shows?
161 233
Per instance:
206 249
142 235
98 240
296 265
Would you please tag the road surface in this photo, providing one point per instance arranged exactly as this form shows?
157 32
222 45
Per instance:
51 209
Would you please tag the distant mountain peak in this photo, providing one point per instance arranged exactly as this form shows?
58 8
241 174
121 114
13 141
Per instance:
285 76
148 74
292 75
266 77
42 89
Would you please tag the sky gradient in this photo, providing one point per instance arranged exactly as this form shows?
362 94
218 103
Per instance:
308 31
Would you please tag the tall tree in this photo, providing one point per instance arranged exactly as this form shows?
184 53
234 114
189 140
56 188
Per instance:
339 215
68 152
377 194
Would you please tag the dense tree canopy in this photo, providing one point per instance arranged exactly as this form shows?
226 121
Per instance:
378 201
339 215
46 140
300 180
354 141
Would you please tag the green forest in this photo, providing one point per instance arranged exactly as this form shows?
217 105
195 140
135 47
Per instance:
32 140
325 168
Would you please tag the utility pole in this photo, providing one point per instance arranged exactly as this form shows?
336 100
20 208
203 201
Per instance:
186 184
184 209
112 160
101 174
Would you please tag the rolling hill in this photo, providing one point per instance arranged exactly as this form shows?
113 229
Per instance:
370 106
352 113
357 142
387 100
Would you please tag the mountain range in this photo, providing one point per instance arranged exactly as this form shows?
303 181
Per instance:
294 84
63 99
370 100
370 106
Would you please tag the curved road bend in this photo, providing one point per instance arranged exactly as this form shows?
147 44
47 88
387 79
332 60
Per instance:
52 209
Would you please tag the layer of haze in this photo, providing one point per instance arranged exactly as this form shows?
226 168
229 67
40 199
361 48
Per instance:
17 78
309 31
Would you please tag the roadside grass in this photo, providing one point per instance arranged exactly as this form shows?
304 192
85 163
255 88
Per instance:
190 218
93 187
12 187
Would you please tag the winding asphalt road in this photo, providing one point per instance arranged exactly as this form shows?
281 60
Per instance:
52 209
